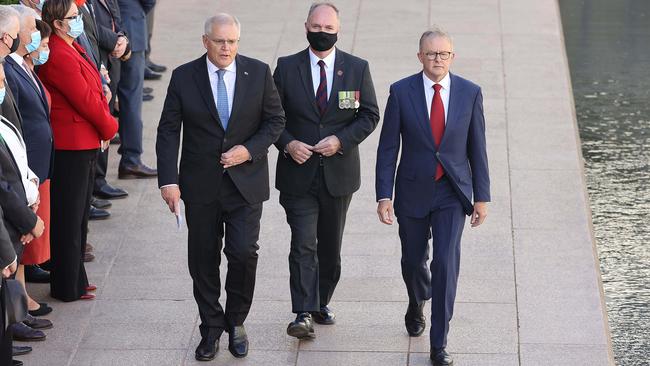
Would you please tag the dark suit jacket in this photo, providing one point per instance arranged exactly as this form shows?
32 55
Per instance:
18 218
106 15
7 252
37 132
90 28
134 21
462 151
304 122
256 121
9 110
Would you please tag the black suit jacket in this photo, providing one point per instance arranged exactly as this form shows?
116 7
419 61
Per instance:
37 132
106 15
91 32
7 252
256 121
304 122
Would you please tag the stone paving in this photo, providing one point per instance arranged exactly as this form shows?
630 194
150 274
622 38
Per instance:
529 292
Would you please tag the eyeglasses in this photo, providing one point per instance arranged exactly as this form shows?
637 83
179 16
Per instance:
223 42
74 17
431 56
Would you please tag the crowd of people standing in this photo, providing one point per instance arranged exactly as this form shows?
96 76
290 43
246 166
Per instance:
69 71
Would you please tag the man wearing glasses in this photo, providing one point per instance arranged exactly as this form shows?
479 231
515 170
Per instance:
439 118
230 113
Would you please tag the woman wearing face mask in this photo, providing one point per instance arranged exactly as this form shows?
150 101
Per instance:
81 123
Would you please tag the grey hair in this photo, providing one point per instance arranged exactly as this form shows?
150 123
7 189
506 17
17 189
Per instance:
24 12
221 19
6 13
436 31
318 4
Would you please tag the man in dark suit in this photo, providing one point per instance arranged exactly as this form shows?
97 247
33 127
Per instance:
8 264
230 112
438 117
329 99
129 90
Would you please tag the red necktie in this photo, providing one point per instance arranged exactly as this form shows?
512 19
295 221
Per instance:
321 92
437 120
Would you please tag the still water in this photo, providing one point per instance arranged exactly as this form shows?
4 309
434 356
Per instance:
608 45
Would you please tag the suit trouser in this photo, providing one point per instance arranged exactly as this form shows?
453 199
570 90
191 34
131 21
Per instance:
445 225
150 19
317 221
102 157
129 92
72 182
207 223
5 334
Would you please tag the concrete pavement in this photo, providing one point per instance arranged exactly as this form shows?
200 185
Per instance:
529 291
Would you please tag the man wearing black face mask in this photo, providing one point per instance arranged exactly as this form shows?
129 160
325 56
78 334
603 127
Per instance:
9 43
329 100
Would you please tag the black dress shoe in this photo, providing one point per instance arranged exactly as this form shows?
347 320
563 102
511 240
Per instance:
20 350
37 323
36 274
147 97
136 171
24 333
98 214
100 203
155 67
414 319
238 341
147 90
43 309
151 75
207 349
109 192
16 363
440 357
302 327
325 316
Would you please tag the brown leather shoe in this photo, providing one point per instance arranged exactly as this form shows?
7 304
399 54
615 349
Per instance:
136 172
89 257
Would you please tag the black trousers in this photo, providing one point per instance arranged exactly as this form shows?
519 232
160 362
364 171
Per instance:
437 282
5 334
238 222
100 170
73 177
317 220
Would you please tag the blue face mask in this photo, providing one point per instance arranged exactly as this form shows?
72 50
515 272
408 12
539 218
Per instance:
76 27
36 41
42 57
40 5
3 91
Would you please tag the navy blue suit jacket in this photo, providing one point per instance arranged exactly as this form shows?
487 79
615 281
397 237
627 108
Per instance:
134 21
462 151
34 109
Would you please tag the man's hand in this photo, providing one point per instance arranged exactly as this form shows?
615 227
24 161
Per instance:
107 93
328 146
10 269
26 239
235 156
172 196
299 151
479 214
385 211
104 72
38 229
120 47
34 207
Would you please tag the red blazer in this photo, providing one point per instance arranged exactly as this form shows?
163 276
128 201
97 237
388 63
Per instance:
80 116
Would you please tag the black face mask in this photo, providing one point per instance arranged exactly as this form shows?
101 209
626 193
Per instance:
321 41
14 45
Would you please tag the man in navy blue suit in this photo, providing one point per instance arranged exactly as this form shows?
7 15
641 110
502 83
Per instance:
443 168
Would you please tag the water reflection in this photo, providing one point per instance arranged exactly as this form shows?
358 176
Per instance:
608 44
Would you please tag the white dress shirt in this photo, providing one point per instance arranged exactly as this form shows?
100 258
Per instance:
21 61
444 92
329 70
16 145
228 78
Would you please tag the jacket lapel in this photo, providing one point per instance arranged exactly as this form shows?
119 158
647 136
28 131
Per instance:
21 71
455 97
419 106
337 83
202 80
304 69
241 86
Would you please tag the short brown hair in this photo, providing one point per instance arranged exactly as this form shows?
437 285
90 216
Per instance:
46 30
55 10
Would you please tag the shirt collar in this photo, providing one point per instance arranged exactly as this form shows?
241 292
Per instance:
19 60
329 60
212 68
445 82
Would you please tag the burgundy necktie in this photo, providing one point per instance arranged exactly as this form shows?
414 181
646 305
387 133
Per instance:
437 120
321 93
